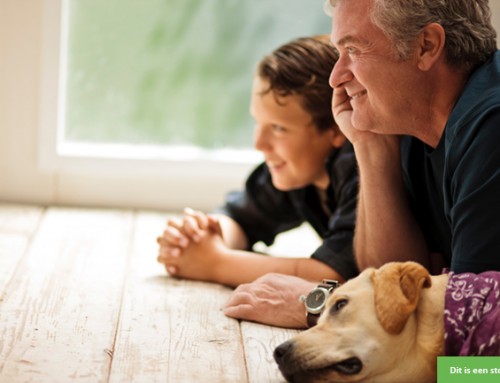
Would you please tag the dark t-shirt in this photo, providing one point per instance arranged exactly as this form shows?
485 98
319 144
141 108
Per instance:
263 211
455 188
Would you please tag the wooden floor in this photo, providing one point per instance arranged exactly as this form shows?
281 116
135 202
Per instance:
82 299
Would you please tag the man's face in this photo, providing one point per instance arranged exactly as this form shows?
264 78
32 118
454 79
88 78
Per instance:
378 84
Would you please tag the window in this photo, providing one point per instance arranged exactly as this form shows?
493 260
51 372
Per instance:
160 85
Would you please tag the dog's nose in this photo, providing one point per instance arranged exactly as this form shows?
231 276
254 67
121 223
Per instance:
282 352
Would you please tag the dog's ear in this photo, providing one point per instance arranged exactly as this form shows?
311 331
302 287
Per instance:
397 292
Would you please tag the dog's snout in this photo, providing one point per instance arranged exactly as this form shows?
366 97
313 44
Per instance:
284 357
283 352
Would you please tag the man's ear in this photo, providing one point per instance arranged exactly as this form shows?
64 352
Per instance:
430 45
397 293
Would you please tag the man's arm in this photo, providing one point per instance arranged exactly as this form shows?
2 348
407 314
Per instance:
272 299
386 229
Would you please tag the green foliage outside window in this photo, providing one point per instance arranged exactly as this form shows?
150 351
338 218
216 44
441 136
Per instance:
174 72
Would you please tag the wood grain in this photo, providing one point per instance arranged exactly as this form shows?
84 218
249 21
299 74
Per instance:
17 227
82 299
59 314
172 330
260 342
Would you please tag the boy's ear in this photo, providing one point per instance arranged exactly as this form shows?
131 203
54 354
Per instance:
337 138
430 45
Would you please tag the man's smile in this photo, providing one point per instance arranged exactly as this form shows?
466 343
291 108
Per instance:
357 95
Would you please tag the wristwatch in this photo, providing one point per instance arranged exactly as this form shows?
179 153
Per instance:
315 301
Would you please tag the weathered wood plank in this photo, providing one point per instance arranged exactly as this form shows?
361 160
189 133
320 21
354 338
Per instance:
172 330
59 314
260 342
17 226
19 219
85 300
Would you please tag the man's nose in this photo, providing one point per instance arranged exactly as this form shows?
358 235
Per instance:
340 73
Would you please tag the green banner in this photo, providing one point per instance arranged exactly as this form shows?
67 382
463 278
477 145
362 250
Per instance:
468 369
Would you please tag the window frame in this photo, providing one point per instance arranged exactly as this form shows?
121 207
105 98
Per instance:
223 169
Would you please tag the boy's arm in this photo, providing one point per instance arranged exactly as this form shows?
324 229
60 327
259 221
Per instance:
179 233
212 260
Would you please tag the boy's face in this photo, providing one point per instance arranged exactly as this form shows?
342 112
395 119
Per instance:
294 149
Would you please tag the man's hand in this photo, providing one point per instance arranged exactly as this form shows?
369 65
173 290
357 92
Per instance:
273 299
342 112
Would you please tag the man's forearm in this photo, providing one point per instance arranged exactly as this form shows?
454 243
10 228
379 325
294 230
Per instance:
386 229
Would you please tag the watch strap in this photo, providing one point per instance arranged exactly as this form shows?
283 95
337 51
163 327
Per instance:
312 319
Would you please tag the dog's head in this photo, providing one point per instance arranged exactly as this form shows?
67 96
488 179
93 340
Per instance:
366 329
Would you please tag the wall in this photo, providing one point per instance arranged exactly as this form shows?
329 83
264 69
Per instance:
20 23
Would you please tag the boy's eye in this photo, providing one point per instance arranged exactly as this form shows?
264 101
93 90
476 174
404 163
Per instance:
278 128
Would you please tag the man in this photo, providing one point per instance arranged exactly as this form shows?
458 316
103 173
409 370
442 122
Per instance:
417 92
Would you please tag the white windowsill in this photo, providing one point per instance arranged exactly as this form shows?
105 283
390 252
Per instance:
157 160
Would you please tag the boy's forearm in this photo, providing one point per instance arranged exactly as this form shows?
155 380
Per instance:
239 267
233 235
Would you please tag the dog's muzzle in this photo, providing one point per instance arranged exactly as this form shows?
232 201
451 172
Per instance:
294 371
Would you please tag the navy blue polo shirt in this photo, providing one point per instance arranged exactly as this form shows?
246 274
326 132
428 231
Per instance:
455 188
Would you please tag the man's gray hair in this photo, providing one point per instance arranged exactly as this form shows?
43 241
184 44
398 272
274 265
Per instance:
470 36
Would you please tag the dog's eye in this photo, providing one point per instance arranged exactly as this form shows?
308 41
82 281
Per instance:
339 304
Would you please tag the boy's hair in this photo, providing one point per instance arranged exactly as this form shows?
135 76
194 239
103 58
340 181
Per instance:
302 67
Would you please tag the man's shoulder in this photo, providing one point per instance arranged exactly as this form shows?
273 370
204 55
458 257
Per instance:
480 94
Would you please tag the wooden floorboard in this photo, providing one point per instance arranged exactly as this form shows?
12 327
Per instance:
82 299
59 314
17 227
172 330
260 342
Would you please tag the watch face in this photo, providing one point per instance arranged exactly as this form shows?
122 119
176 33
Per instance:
315 301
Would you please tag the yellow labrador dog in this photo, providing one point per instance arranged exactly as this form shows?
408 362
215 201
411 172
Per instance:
384 326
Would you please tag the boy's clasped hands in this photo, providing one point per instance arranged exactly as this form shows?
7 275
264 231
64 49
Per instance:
191 245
